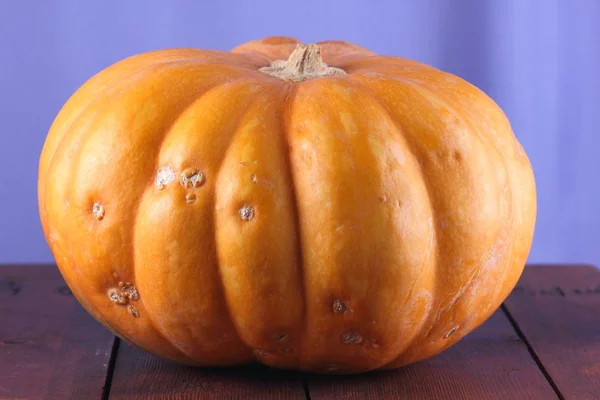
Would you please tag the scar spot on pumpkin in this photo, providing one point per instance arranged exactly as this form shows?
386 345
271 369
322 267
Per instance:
246 212
451 332
191 178
351 338
190 198
117 297
259 352
333 367
457 155
164 176
280 337
98 211
132 293
123 293
133 311
340 307
253 178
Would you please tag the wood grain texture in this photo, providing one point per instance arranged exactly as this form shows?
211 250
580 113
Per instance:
490 363
139 375
557 309
50 348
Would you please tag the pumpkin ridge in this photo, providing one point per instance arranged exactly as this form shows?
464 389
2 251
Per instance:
487 142
435 259
150 187
82 142
218 176
492 142
65 130
477 270
291 177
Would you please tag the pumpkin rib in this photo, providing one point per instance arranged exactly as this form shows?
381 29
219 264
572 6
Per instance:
492 143
503 157
165 70
487 140
183 356
291 176
263 243
218 178
290 94
346 134
476 273
414 153
477 266
222 85
68 132
477 270
55 140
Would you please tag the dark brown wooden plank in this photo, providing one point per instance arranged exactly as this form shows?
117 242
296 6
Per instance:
50 348
490 363
557 309
139 375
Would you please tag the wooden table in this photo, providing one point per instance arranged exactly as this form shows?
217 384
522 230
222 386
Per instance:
543 343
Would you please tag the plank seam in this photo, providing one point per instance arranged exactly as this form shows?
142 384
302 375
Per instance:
532 352
111 369
305 386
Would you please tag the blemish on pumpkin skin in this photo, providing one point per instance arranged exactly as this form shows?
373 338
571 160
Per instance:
116 297
340 307
259 352
246 212
451 332
191 178
190 198
351 338
280 337
123 293
133 311
98 211
333 367
132 293
164 176
253 178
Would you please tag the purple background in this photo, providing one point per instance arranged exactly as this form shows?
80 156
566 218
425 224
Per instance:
539 59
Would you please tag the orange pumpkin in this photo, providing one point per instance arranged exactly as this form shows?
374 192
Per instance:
337 212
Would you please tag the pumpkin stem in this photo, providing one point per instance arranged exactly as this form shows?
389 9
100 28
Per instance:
304 63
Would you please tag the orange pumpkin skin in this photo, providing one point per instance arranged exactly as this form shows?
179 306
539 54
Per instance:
213 214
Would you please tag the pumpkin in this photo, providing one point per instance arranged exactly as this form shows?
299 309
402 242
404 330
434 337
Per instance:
311 207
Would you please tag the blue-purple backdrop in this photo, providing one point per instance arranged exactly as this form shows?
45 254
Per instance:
539 59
